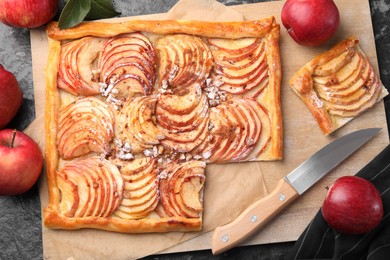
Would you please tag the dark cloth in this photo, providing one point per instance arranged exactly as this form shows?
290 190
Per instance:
319 241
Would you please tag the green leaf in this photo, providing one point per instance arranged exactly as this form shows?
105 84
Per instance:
101 9
74 13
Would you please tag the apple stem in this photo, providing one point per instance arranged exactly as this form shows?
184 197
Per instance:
13 139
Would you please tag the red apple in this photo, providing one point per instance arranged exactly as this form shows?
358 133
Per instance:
310 22
11 96
21 162
353 205
27 13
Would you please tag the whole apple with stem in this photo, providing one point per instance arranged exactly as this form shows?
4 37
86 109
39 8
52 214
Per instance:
11 96
310 22
21 162
27 13
352 205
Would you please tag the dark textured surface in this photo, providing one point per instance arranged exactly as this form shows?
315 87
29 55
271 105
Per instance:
20 217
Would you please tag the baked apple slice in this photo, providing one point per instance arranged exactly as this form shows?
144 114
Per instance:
134 170
342 94
240 131
69 197
136 126
180 103
84 179
183 119
182 189
83 193
187 191
85 125
252 129
266 129
338 85
141 195
218 135
77 70
358 102
96 188
117 47
344 77
185 141
232 133
183 61
127 65
181 113
190 191
237 46
333 64
240 65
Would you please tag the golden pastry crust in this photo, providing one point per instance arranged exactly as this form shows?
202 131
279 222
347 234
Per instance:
338 85
232 30
185 135
57 221
52 105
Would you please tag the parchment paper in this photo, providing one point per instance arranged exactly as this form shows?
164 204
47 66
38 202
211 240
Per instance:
231 188
96 244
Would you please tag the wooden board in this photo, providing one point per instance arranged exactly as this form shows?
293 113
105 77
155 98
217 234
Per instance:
302 136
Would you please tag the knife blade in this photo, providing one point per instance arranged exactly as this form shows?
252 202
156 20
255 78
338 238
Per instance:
288 189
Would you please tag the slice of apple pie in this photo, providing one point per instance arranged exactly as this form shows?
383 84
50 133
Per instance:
338 85
136 109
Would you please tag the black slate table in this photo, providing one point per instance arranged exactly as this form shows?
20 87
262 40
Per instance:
20 216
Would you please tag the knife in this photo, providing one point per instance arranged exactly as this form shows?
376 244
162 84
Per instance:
288 189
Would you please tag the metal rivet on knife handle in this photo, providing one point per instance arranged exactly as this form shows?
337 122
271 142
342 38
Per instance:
254 218
225 238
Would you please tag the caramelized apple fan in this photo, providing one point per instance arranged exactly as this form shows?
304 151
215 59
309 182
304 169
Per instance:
136 110
338 85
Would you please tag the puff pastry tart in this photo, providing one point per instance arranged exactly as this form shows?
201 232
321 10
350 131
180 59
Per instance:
135 111
338 85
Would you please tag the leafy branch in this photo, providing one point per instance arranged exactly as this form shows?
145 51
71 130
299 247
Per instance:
75 11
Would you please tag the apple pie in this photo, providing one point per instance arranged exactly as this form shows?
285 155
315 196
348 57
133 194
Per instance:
338 85
136 109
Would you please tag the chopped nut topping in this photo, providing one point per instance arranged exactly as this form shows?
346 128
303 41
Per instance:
207 155
106 90
197 157
127 147
148 153
123 151
163 175
118 143
155 151
214 94
182 156
165 88
250 141
173 72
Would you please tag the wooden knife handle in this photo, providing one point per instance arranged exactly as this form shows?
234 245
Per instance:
253 218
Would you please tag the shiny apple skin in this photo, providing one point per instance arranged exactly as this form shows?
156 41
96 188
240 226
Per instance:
11 96
310 22
353 206
20 165
27 13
